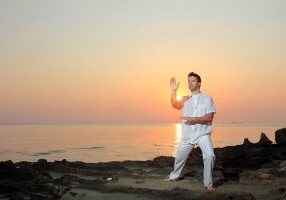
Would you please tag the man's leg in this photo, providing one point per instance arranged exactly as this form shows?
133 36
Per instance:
209 158
183 152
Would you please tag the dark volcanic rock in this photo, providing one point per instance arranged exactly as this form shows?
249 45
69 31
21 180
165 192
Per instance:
6 165
264 140
42 177
30 181
247 142
40 192
250 156
164 161
64 161
284 196
109 166
41 164
8 170
280 136
23 165
67 180
231 174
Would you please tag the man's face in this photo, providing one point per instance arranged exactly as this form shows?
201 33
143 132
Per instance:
193 83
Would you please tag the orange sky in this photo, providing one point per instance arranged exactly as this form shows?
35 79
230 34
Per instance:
111 61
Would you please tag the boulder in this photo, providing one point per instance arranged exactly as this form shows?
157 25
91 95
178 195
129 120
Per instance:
264 176
6 165
231 174
283 196
247 142
280 136
41 164
283 164
23 165
264 140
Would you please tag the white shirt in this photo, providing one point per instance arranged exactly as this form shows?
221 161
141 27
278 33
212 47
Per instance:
197 105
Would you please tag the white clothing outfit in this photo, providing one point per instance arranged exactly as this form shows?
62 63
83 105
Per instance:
197 105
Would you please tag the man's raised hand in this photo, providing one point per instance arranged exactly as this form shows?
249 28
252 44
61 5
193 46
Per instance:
173 85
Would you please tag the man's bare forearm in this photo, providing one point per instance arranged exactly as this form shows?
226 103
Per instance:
174 98
203 120
175 103
207 119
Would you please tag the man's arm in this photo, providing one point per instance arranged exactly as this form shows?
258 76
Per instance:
207 119
175 103
174 87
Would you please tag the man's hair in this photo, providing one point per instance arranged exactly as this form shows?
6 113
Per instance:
195 75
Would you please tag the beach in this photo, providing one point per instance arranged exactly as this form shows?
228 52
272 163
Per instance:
252 170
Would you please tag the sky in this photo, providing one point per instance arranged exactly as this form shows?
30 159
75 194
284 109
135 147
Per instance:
110 61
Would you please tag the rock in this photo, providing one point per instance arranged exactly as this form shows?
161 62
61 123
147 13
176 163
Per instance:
67 180
268 165
247 142
20 196
283 169
283 164
276 163
264 176
218 175
140 180
42 164
164 161
231 174
64 161
280 136
281 189
283 196
38 186
23 165
42 178
264 140
7 165
73 194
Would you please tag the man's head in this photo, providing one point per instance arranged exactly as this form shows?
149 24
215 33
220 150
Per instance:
194 81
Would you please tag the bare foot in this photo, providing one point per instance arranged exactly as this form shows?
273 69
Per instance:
210 188
167 179
176 179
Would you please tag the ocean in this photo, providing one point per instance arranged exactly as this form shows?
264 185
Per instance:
111 142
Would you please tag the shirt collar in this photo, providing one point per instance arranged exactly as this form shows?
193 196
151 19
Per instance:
195 94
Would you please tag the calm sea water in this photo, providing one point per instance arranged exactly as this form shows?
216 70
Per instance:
101 143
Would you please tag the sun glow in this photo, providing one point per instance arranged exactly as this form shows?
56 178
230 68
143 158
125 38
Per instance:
179 97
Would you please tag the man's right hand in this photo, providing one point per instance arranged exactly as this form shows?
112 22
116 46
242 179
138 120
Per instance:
173 85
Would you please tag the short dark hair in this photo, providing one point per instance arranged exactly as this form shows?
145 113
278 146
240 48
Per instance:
195 75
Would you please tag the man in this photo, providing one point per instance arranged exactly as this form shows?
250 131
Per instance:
198 113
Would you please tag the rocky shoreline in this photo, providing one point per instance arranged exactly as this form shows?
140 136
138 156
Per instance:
247 171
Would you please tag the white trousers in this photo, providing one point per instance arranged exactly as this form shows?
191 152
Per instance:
183 151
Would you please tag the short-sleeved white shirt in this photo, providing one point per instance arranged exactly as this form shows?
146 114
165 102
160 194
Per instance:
197 105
